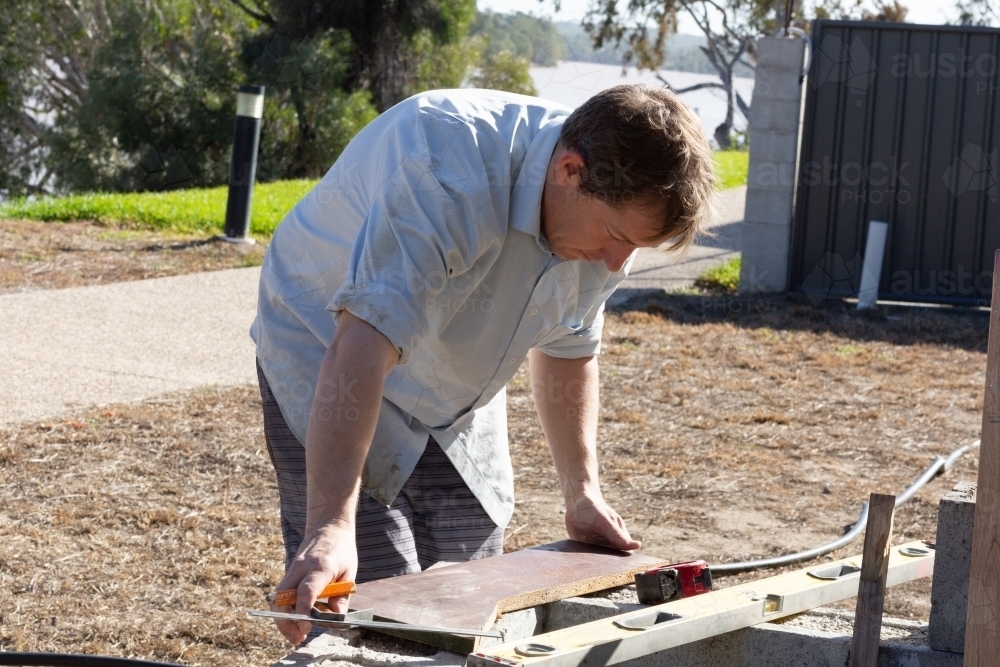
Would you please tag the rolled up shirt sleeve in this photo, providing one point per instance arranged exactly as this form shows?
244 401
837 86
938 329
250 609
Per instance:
584 342
423 229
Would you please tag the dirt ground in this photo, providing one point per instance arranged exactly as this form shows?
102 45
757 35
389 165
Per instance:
46 255
730 429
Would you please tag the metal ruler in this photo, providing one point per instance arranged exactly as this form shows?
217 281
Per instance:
363 619
638 633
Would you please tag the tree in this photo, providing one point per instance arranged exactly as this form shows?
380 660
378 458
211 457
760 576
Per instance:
46 49
386 35
978 12
505 71
309 115
880 10
158 105
521 35
731 28
139 95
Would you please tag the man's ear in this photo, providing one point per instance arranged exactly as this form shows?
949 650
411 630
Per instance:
571 168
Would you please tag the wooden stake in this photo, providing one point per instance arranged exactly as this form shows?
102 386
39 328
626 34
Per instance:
982 624
871 590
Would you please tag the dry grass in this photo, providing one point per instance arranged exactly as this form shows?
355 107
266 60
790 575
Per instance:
734 430
47 255
147 530
141 530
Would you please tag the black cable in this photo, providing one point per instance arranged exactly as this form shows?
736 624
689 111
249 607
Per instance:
32 659
941 464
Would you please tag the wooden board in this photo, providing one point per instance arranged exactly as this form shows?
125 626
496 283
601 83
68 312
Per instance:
471 595
982 626
871 588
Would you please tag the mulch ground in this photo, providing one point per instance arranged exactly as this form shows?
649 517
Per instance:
730 429
47 255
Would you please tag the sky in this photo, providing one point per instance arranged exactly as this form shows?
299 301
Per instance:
921 11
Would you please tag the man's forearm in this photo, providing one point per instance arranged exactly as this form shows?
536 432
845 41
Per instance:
567 399
342 420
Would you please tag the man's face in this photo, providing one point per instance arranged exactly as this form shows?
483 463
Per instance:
578 226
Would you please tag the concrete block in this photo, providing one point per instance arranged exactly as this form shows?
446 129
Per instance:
575 611
773 176
780 84
770 207
779 53
801 642
774 147
517 625
370 649
952 560
774 116
764 264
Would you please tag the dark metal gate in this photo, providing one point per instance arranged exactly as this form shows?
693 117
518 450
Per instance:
901 125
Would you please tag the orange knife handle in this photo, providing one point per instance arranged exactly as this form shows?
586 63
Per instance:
333 589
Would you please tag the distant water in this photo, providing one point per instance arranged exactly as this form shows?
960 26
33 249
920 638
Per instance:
572 83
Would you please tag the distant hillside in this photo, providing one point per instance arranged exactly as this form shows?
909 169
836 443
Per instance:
523 35
545 42
683 52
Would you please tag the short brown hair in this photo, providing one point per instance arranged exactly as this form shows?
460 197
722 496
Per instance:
643 146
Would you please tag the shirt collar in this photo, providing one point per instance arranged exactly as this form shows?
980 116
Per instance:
526 197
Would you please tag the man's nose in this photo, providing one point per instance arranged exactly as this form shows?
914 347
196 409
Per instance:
616 255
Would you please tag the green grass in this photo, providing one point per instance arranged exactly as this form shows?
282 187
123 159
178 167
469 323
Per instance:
724 277
203 210
731 168
193 211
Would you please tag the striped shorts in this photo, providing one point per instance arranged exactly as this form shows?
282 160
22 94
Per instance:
434 518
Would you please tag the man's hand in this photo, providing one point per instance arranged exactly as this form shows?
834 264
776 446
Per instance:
341 426
327 554
567 399
592 520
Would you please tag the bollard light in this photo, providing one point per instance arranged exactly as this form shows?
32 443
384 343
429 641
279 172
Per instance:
243 166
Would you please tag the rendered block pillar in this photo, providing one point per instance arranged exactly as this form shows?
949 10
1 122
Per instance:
952 558
775 119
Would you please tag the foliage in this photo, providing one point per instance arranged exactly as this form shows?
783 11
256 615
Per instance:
724 277
978 12
522 35
157 109
731 168
148 101
308 117
504 71
190 211
730 28
387 37
858 10
681 53
46 48
443 65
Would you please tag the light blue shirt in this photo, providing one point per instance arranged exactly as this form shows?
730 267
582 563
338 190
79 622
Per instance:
427 227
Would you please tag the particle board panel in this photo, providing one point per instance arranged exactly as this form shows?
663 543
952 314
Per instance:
471 595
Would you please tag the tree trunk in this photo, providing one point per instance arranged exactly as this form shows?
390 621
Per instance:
723 133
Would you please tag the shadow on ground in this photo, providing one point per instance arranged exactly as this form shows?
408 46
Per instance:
963 328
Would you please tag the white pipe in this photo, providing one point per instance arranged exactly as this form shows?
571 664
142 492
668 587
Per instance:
872 271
